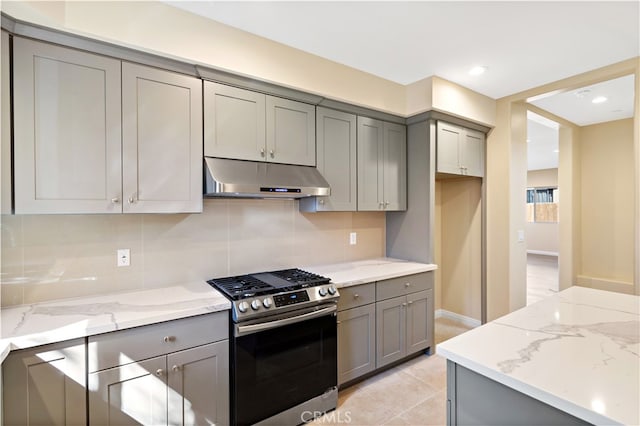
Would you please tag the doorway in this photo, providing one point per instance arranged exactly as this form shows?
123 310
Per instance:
543 199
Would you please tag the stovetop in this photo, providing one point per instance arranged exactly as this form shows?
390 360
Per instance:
264 283
268 293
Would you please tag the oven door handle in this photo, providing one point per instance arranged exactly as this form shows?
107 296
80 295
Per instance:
243 330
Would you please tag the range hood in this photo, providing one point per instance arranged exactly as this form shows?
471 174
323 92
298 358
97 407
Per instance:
253 179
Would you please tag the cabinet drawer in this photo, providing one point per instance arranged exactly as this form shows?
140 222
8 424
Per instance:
402 286
121 347
351 297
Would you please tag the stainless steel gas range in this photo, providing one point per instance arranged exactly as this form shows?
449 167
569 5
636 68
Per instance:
283 346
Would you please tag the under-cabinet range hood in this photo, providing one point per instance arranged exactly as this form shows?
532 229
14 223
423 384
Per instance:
253 179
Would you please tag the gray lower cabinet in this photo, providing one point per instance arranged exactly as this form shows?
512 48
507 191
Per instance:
169 373
356 342
45 385
382 165
459 151
404 317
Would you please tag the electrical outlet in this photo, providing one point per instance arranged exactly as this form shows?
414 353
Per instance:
124 257
353 238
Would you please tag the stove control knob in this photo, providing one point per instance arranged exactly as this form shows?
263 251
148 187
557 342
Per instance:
322 292
255 305
332 290
267 302
243 306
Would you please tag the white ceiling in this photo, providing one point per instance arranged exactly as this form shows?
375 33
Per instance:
523 44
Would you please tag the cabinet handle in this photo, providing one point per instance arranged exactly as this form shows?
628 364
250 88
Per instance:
409 302
381 204
115 200
168 339
386 203
356 295
321 201
159 372
272 153
262 152
404 304
407 285
176 368
338 322
131 200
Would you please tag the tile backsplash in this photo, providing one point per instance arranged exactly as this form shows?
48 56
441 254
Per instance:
46 257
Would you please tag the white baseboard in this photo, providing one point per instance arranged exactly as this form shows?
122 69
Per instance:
468 321
542 252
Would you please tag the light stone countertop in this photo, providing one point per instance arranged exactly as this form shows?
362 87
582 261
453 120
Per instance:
577 350
365 271
42 323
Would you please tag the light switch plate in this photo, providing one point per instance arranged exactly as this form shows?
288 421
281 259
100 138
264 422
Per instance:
520 235
353 239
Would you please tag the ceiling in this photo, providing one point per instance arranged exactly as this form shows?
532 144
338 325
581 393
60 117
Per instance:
522 45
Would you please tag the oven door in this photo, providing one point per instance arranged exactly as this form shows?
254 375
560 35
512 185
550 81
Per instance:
281 363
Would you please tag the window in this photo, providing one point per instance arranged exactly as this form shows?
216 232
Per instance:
542 204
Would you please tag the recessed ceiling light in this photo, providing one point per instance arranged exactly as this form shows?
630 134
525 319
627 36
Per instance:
599 99
477 70
556 150
528 140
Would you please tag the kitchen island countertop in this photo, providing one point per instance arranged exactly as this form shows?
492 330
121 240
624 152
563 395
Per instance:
577 351
365 271
37 324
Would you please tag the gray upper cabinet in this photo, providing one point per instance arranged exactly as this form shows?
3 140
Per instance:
291 132
382 163
234 123
45 385
67 130
336 154
93 135
459 151
161 141
246 125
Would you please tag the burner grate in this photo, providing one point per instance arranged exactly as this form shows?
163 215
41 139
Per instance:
301 278
240 287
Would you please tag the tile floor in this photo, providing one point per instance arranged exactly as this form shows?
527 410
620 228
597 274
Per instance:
412 393
542 277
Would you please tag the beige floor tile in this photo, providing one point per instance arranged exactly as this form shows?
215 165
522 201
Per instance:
431 411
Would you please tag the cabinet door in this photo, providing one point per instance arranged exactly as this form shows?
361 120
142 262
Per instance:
199 385
356 342
234 122
419 321
447 148
161 140
472 153
291 132
395 166
336 149
45 385
67 130
5 127
370 160
390 330
131 394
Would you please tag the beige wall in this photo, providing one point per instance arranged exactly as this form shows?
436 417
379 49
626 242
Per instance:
47 257
458 223
607 202
540 236
437 244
